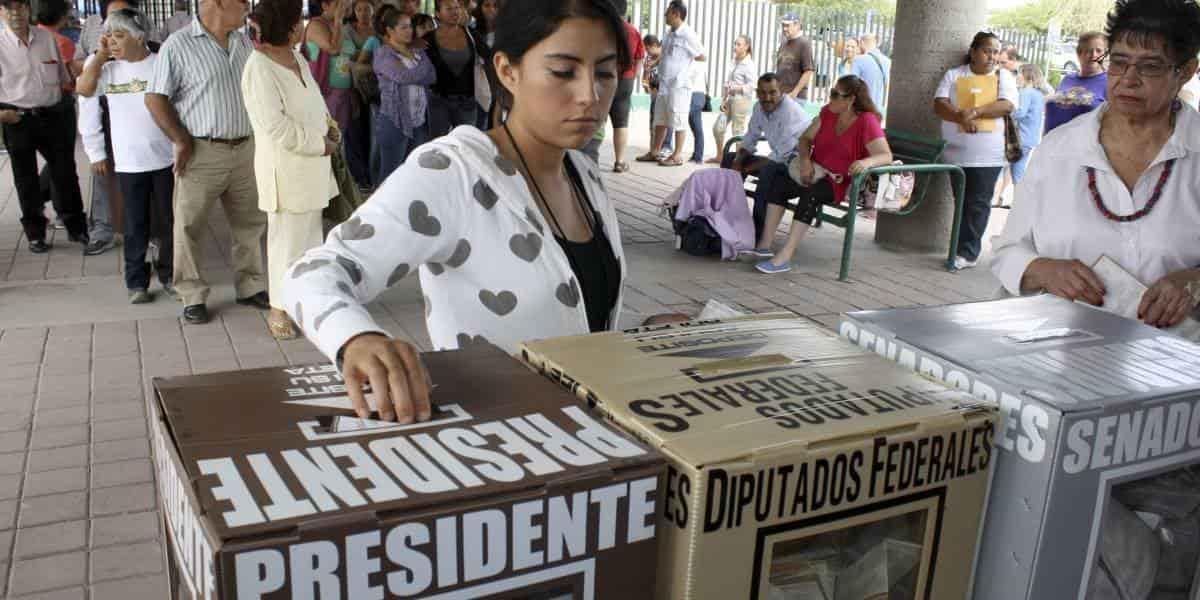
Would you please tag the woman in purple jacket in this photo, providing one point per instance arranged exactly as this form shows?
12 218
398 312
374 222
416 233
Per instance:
405 76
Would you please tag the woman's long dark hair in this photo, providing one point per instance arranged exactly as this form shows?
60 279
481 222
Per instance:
862 94
481 24
980 39
523 24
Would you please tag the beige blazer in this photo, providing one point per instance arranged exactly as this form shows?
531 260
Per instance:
290 122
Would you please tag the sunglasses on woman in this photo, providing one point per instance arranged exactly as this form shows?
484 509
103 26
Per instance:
834 95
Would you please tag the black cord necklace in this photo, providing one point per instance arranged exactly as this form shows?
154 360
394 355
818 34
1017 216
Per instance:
562 234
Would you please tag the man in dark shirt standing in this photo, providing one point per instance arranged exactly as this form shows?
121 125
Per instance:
795 65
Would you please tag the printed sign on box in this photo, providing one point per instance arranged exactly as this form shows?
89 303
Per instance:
799 466
1096 491
271 488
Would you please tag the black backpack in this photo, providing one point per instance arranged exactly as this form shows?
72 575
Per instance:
697 237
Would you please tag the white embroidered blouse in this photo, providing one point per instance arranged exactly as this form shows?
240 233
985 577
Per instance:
460 214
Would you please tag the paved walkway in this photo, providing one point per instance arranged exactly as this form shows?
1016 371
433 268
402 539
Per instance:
78 516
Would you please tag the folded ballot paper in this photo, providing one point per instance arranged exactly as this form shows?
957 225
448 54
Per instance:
1124 293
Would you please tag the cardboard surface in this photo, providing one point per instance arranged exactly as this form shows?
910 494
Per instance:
790 452
1096 409
273 489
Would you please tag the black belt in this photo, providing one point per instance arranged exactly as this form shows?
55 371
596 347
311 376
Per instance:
38 111
225 141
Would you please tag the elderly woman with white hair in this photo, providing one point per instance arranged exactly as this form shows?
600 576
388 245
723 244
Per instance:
143 156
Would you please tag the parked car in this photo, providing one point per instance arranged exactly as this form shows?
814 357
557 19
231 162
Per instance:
1064 57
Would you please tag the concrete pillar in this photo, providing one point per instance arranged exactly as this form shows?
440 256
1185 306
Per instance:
931 37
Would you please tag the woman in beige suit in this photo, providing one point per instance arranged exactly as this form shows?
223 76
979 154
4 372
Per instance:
294 137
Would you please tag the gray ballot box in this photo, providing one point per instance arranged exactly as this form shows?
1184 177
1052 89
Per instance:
1095 492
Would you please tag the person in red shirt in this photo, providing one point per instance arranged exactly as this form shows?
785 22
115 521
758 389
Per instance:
619 113
52 17
846 140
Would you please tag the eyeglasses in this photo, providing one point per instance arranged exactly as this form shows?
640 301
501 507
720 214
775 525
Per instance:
834 95
1118 65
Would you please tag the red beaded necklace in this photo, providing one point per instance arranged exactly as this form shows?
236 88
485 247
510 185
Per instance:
1110 215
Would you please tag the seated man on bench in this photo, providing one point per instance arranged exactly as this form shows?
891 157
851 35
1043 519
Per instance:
781 120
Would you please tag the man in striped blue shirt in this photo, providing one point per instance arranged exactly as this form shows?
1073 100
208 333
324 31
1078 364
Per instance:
196 98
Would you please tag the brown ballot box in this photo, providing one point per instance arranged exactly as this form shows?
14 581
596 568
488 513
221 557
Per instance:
272 489
800 467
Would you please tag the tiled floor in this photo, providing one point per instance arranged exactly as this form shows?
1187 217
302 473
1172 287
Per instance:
78 514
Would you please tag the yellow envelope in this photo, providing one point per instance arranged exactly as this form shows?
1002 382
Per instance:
976 91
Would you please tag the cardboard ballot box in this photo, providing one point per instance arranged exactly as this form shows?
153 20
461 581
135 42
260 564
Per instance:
800 467
272 489
1096 492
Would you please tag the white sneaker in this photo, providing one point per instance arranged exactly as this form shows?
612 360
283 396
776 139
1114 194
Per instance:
961 263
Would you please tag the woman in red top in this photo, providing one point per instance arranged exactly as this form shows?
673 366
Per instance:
846 140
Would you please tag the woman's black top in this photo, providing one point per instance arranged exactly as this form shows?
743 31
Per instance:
595 265
450 82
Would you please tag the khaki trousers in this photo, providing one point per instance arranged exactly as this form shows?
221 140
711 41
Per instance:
289 236
225 172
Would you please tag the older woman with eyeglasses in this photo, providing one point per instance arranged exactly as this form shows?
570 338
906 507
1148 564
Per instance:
1122 181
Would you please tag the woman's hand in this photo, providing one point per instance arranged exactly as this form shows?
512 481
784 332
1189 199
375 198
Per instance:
1167 302
967 120
807 172
397 376
330 147
859 166
334 134
1070 279
101 168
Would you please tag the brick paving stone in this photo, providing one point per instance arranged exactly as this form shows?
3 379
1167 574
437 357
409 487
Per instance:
48 573
123 429
120 410
61 417
52 509
123 499
53 400
58 458
125 529
74 593
121 473
118 562
13 441
153 587
13 462
58 437
103 452
55 538
53 482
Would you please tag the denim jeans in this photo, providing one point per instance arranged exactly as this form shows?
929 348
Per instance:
696 123
448 112
394 146
145 193
977 207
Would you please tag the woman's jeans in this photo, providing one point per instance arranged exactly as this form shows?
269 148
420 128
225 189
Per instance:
448 112
977 207
696 123
394 146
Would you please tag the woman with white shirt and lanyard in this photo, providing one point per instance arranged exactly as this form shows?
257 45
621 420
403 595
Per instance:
511 230
1121 181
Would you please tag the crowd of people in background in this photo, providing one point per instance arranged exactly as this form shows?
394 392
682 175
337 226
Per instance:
274 116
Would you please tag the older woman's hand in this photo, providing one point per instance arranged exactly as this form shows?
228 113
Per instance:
1070 279
1166 303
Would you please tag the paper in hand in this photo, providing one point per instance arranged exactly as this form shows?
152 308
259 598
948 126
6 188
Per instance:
1123 295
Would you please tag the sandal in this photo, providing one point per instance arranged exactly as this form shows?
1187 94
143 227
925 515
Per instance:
281 327
647 157
671 162
620 167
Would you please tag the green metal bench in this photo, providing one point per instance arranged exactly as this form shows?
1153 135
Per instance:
919 155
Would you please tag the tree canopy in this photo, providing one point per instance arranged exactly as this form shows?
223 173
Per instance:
1074 15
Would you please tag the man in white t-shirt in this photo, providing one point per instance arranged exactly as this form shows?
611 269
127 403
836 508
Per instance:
681 47
142 155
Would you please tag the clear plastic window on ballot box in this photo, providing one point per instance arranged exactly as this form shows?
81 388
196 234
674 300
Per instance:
876 560
1149 541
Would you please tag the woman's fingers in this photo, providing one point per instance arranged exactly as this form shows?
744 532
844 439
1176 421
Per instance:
377 373
418 382
400 406
354 381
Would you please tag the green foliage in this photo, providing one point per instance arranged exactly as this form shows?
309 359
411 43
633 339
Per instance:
883 7
1075 15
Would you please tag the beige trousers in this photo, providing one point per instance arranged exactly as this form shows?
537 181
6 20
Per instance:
737 117
218 171
289 236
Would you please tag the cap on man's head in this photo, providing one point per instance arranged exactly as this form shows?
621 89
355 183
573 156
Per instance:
789 18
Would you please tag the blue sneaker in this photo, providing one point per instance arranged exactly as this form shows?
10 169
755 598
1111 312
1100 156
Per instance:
771 268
